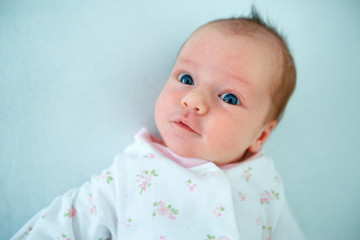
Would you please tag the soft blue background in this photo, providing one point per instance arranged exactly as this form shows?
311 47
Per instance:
79 78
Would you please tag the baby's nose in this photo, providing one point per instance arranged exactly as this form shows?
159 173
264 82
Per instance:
196 101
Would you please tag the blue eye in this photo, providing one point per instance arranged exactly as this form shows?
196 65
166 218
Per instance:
230 98
186 79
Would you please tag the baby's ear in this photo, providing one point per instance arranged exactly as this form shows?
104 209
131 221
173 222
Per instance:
264 134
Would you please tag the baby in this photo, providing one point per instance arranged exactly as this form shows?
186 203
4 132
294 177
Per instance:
208 177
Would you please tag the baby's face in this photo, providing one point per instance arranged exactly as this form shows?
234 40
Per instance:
217 96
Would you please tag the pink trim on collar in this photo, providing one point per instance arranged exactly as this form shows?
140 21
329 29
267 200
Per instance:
186 162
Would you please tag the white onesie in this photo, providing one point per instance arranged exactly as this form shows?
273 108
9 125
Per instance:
145 195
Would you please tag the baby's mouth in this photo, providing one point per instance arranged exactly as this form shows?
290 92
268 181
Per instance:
183 125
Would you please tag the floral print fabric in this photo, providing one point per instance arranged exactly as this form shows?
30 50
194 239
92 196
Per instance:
145 195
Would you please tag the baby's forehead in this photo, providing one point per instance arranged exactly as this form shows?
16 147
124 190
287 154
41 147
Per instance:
246 30
269 44
262 48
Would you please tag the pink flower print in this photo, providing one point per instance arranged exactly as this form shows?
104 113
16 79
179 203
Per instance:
258 221
171 216
241 196
266 197
223 238
162 210
150 155
71 213
63 236
93 211
144 179
209 237
90 199
190 185
268 232
127 222
218 211
162 238
277 179
105 176
26 233
246 175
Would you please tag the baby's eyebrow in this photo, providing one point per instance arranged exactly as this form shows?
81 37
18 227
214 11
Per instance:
187 61
238 78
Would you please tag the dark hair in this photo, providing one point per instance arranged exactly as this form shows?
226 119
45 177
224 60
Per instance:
254 25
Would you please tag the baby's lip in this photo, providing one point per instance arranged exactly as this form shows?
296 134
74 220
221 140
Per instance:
185 124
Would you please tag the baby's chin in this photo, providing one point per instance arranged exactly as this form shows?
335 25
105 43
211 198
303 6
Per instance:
183 151
190 153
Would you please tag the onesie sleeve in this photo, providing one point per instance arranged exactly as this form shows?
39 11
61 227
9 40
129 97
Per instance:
84 213
287 226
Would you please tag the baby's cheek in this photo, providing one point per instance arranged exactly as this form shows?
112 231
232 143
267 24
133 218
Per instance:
226 148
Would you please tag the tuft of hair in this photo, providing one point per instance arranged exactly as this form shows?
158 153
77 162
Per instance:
253 25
